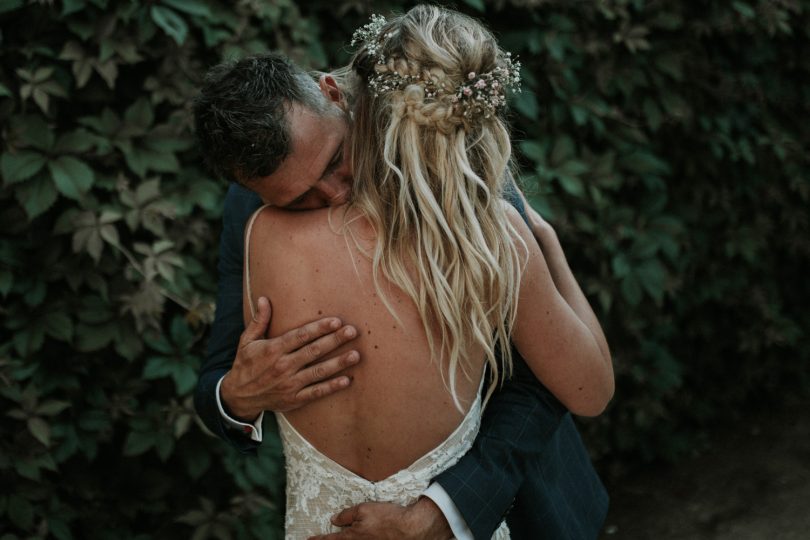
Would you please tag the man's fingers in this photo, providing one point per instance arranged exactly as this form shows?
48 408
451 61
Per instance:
323 370
257 329
318 348
304 335
312 341
346 517
317 391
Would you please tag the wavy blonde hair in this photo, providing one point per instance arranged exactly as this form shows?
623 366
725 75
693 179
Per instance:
429 180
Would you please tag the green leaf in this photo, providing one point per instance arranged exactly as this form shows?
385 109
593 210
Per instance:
620 265
88 239
652 275
652 113
36 195
72 177
95 420
572 167
644 162
72 6
157 367
197 462
534 151
744 9
52 407
572 185
40 429
170 22
59 325
192 7
140 114
10 5
580 114
138 442
141 160
562 151
675 105
20 166
185 378
476 4
4 91
631 290
28 468
77 141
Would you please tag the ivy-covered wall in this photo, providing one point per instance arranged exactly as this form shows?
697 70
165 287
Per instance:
666 141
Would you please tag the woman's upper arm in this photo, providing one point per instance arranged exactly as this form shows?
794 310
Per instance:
558 347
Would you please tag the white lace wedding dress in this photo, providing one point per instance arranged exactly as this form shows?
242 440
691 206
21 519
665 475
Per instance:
318 488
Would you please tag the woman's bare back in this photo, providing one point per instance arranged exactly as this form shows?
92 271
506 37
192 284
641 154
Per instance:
397 407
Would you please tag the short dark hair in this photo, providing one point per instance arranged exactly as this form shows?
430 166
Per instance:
240 115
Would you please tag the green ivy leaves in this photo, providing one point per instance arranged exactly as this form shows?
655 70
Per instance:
71 176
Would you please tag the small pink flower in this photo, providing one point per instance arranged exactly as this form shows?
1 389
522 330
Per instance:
480 83
467 91
471 75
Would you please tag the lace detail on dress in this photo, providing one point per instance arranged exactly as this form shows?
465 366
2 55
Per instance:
318 487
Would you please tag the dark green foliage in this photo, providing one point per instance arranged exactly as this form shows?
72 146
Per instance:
666 141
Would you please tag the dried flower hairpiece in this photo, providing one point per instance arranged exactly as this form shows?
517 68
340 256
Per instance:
369 34
485 93
480 94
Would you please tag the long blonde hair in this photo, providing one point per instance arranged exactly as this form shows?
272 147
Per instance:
429 180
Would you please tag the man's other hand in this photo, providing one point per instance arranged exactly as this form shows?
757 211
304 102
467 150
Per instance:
384 521
283 373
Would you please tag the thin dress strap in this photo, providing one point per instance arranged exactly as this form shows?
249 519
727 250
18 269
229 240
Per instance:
248 230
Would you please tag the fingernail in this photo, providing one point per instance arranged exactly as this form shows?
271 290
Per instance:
335 324
354 356
350 332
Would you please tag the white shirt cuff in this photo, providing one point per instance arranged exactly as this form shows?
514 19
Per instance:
438 495
254 429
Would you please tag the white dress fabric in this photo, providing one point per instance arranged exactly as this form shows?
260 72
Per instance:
318 487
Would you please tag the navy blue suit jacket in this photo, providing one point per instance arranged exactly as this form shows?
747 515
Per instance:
527 465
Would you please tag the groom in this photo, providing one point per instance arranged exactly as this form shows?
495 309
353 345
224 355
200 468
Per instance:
281 138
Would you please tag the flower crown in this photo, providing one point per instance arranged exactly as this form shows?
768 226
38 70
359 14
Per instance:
481 94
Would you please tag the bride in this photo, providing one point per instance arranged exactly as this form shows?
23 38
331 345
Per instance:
431 266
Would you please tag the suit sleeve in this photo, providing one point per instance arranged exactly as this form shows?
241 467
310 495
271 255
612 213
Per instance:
518 423
228 324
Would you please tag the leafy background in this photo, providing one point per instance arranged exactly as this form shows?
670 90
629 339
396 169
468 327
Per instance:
666 141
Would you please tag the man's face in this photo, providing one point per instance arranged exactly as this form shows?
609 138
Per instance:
317 172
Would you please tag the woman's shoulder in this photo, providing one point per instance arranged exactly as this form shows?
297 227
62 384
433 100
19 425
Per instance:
270 219
515 218
298 229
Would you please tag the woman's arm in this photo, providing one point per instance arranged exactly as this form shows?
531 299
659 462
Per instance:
556 330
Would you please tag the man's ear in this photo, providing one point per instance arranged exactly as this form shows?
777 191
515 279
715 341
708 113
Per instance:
329 88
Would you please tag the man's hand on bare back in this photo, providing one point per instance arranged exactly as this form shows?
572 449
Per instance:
386 521
283 373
